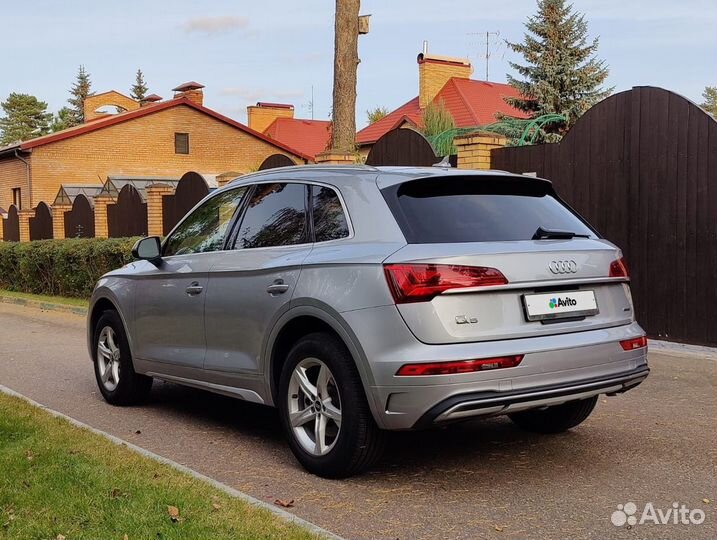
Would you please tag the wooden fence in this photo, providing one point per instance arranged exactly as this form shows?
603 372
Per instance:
128 216
11 225
641 166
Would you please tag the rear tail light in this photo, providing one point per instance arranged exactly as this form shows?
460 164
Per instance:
635 343
618 268
460 366
421 282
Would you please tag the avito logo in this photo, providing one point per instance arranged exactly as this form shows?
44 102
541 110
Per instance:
562 302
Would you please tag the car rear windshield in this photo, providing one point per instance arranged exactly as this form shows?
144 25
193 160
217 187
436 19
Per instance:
478 209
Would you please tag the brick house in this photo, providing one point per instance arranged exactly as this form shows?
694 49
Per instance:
157 138
443 78
276 121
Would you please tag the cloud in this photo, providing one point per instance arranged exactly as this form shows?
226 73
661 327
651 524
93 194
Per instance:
215 25
259 94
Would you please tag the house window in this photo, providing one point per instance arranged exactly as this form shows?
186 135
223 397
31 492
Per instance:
181 143
16 198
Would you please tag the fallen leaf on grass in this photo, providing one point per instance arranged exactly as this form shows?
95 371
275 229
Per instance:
125 537
706 501
216 506
60 537
173 512
498 528
285 504
29 455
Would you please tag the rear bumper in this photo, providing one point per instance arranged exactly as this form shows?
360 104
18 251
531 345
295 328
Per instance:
470 404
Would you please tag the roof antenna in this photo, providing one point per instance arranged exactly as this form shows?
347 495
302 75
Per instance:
425 47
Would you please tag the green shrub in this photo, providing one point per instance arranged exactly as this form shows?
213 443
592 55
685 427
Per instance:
61 267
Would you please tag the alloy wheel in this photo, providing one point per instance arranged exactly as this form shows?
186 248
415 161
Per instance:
314 406
108 358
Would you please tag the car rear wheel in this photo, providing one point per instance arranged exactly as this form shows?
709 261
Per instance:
116 378
557 418
324 410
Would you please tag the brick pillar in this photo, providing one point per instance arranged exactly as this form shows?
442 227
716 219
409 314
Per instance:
24 217
155 194
474 150
2 223
101 227
334 157
58 220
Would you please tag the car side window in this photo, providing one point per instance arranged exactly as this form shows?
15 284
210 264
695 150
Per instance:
205 229
329 218
275 216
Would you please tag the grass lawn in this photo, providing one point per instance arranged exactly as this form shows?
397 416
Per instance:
59 481
79 302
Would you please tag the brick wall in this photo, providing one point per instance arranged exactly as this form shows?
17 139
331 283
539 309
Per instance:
433 75
260 117
145 146
13 175
474 150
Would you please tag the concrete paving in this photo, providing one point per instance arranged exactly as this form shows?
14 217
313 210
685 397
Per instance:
480 479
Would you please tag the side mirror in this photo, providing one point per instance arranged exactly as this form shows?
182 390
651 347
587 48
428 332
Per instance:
148 248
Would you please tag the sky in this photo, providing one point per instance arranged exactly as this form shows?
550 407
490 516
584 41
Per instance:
282 50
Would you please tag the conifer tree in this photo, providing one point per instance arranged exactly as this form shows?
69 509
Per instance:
561 73
81 89
139 89
26 117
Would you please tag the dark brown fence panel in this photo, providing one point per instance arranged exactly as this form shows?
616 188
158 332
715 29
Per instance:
191 189
274 161
80 221
641 166
402 146
11 226
128 216
41 223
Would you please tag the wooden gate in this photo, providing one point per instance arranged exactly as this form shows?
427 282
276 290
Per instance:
276 160
641 166
80 221
128 216
11 225
41 223
402 146
191 189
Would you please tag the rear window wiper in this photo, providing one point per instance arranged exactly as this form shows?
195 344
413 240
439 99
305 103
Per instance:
552 234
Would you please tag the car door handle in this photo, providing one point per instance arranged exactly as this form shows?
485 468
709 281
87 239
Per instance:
194 289
278 287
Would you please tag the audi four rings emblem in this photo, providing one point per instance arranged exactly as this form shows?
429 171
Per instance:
563 267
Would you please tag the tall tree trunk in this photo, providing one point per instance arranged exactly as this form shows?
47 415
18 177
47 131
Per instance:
343 133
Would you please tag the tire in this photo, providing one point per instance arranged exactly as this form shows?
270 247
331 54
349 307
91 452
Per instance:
359 442
119 384
557 418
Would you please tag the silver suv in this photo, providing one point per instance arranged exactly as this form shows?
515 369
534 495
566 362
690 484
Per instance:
361 299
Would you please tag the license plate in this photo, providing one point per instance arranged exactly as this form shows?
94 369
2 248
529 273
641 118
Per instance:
559 305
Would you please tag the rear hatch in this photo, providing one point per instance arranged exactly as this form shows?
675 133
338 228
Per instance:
499 257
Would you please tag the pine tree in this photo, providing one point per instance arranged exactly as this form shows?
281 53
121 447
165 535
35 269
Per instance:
79 92
25 117
710 100
139 88
561 73
61 120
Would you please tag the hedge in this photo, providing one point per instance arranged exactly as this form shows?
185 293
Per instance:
61 267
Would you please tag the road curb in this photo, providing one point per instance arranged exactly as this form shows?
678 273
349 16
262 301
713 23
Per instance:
41 304
281 514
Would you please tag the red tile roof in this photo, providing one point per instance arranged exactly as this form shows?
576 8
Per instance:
113 119
308 136
470 102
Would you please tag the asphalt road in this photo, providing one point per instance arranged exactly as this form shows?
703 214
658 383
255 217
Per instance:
482 479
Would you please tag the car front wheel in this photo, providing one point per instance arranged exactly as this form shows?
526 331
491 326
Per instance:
116 378
324 410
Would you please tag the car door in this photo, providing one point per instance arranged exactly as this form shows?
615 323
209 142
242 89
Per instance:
252 285
170 296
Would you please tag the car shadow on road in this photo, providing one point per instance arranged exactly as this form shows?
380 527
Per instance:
488 445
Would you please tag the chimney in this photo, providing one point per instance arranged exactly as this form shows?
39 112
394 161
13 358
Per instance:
191 90
261 115
150 100
435 71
